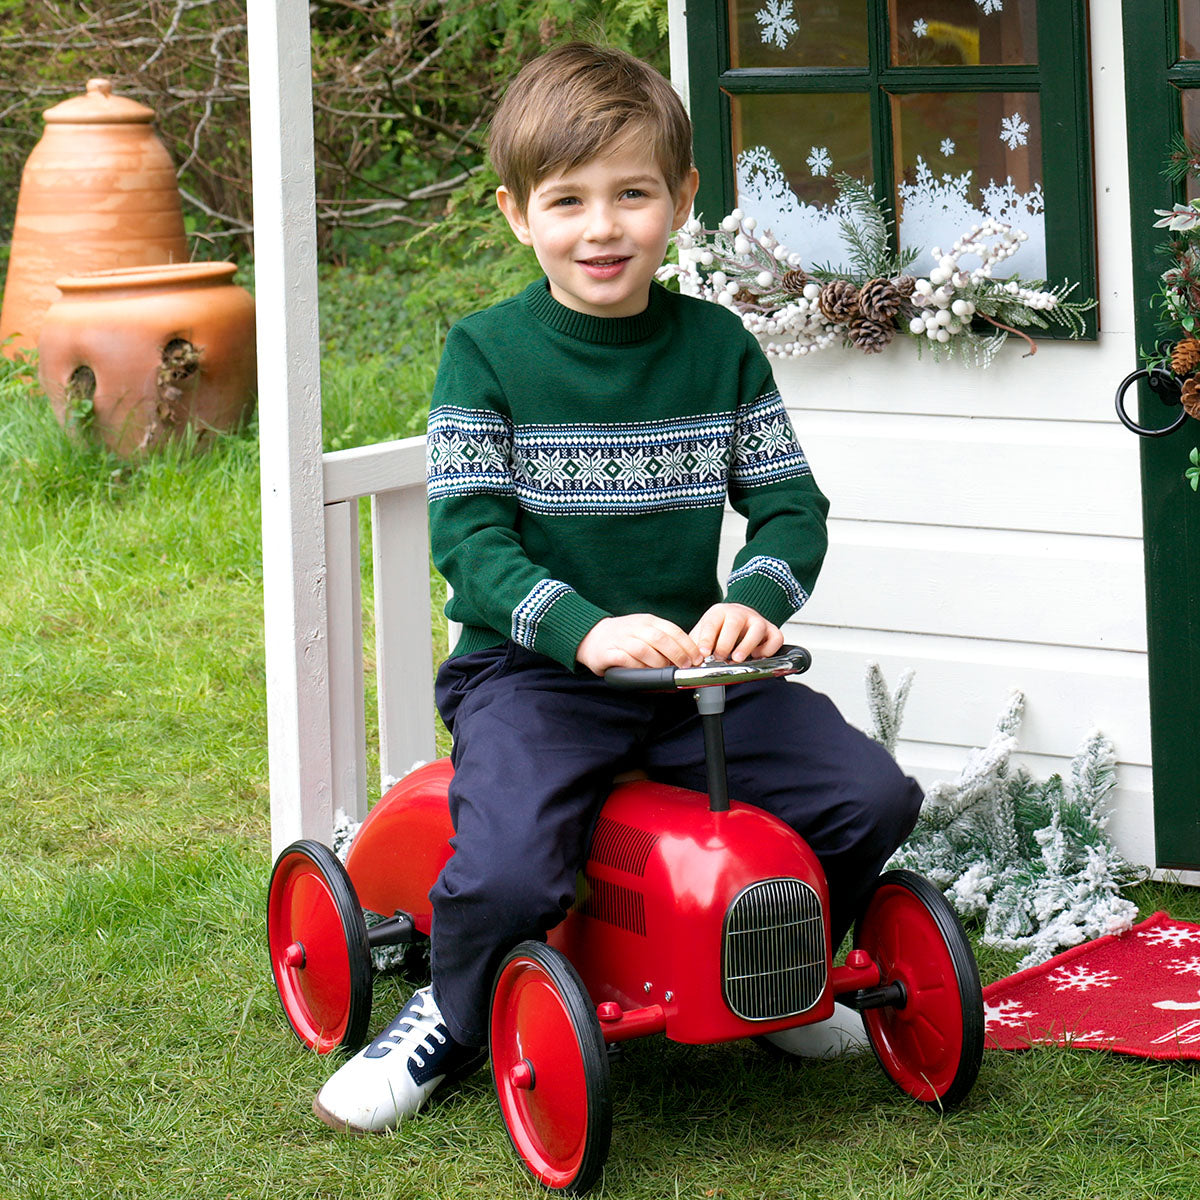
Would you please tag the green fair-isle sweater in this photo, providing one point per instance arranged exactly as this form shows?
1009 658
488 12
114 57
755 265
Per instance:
579 466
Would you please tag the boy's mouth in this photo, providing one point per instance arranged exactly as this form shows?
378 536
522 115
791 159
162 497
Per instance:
604 266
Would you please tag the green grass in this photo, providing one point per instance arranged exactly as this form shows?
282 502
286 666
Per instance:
142 1052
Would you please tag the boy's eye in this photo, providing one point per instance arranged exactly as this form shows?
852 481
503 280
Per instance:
634 193
564 201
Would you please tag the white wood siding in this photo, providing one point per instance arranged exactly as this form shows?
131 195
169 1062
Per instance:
986 525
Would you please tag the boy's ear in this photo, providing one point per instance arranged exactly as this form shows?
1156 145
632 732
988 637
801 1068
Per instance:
513 215
686 197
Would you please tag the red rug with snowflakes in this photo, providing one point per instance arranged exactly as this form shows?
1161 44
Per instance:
1134 993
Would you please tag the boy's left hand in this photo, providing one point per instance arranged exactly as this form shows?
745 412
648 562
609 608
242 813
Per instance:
736 632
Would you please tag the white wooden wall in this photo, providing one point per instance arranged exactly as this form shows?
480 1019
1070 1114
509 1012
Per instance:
985 528
986 525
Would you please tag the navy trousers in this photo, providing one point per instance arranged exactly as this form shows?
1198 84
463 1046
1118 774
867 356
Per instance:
535 751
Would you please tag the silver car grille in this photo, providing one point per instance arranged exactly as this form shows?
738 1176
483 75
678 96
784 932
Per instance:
773 962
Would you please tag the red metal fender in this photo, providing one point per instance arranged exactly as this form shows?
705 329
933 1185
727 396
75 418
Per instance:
400 850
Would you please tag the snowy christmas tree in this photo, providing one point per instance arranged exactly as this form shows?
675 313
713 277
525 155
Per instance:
1026 859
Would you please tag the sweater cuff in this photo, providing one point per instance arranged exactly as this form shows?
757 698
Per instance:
553 619
768 586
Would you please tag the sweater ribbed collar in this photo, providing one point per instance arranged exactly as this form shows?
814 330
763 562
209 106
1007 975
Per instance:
602 331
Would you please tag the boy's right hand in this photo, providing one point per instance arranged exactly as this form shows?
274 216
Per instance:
638 640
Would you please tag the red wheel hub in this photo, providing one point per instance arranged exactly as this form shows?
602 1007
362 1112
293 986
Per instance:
312 931
550 1068
931 1043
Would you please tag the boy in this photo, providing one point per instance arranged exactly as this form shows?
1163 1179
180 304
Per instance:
583 438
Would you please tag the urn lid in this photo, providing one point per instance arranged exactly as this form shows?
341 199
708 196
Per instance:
154 275
98 107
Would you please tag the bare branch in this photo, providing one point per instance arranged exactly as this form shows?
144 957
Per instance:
235 224
180 6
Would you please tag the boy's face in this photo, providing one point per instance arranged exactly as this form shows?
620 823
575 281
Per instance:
600 230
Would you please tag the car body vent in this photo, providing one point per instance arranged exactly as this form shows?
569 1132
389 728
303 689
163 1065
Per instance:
624 847
610 902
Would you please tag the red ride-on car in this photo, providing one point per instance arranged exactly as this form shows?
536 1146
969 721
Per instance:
700 918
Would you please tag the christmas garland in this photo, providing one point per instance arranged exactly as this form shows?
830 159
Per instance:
956 311
1179 294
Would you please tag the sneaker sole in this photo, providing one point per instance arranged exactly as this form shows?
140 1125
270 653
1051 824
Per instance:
323 1114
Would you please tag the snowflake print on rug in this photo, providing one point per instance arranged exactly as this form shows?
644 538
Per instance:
1134 993
1005 1013
1080 979
1175 936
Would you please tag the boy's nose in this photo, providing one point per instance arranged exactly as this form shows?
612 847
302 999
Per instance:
602 224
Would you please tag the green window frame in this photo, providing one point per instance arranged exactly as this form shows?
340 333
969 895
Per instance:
1059 77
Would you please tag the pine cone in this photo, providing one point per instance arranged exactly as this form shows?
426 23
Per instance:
1185 357
839 301
794 280
879 300
1190 397
905 285
871 336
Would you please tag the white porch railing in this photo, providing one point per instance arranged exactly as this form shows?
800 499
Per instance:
392 475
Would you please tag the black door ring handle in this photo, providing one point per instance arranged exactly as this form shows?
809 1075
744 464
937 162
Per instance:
1160 381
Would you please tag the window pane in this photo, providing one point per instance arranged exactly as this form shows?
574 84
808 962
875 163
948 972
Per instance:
956 33
1189 29
788 148
797 33
1191 131
965 156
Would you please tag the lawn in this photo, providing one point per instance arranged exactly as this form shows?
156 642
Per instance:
143 1050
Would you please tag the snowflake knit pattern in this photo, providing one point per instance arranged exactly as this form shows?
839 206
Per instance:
579 467
1134 993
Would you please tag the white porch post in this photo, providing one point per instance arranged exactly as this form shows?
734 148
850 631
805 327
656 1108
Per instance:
289 400
677 19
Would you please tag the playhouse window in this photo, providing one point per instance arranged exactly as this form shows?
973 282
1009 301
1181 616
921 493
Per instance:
952 110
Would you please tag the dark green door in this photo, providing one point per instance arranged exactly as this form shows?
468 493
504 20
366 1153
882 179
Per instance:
1162 72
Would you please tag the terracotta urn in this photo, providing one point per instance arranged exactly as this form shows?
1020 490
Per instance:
98 192
135 357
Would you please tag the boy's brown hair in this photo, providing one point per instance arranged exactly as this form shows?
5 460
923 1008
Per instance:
578 101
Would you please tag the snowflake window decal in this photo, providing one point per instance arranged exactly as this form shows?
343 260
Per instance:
948 147
1014 131
819 161
920 27
990 6
777 23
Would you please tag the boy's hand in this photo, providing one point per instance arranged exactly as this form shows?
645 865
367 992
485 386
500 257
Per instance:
736 632
638 640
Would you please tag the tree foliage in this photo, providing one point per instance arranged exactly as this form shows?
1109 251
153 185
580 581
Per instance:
402 93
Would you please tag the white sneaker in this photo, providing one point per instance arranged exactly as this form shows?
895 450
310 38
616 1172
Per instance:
392 1078
843 1033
